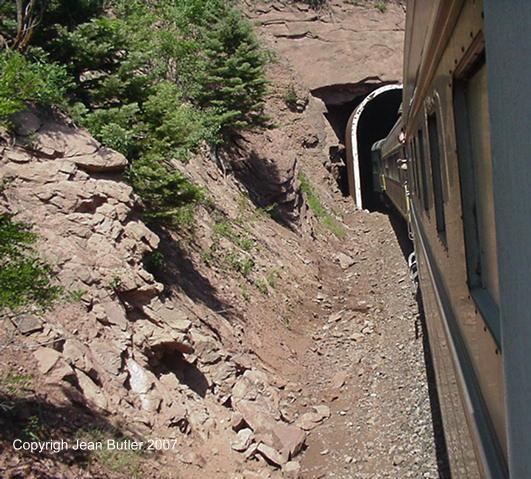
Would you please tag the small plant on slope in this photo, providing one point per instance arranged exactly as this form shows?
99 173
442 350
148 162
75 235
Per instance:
316 206
25 280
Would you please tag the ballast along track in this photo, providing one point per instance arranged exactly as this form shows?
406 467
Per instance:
453 168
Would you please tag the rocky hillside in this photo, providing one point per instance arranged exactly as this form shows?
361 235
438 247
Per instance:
194 335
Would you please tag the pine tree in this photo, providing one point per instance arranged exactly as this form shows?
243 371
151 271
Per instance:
232 81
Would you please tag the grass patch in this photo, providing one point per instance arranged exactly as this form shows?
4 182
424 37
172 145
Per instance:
381 7
318 209
16 385
268 282
237 262
272 278
237 259
127 462
225 229
75 296
262 286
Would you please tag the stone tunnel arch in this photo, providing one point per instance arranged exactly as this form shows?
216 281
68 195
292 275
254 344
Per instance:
372 120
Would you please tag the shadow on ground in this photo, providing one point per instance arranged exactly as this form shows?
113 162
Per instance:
26 416
406 245
179 271
268 188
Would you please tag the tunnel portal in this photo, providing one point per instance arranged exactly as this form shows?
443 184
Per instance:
372 109
371 121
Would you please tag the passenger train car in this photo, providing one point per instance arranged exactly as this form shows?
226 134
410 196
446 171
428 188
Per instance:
465 136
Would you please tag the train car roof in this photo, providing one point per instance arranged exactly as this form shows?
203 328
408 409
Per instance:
391 143
428 27
377 145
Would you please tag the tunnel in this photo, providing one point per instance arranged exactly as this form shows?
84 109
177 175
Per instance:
371 109
371 121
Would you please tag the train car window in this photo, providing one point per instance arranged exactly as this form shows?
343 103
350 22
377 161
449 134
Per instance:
416 167
411 170
436 173
423 172
477 195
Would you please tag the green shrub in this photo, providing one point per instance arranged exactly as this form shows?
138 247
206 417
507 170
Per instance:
381 7
232 81
163 189
152 80
25 280
118 128
24 80
175 127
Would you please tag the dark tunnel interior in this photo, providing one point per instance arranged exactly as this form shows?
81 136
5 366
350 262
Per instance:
338 116
377 119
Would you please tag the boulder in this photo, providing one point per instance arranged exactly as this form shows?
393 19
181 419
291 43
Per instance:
310 420
91 390
254 416
139 232
291 470
107 356
322 410
338 380
237 422
205 348
271 454
46 358
345 261
334 317
28 324
60 372
103 160
254 386
151 401
19 156
115 314
287 439
291 439
140 380
74 354
243 441
169 340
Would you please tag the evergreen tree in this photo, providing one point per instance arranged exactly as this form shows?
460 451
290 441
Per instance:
232 81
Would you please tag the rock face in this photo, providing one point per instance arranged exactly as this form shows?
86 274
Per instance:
349 43
109 343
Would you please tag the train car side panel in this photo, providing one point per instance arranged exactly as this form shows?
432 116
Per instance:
431 128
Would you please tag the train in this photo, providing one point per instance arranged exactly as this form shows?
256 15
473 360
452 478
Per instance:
457 167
